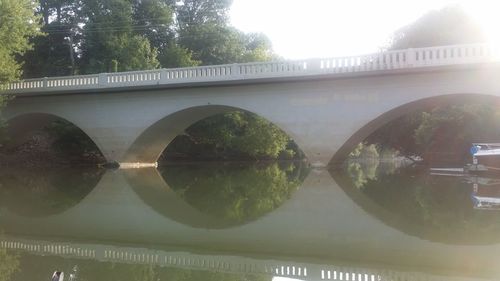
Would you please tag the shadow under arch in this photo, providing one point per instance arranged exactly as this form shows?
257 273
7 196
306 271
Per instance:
42 192
449 99
21 126
150 144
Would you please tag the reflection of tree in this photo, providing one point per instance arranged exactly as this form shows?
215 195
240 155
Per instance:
434 208
236 193
9 264
362 172
45 192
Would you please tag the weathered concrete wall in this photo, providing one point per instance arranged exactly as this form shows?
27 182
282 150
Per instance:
325 117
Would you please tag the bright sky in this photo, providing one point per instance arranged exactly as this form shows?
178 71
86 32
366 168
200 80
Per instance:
328 28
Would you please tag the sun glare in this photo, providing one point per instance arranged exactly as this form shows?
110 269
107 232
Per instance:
325 28
486 15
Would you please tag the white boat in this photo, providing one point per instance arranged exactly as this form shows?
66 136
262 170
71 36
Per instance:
485 157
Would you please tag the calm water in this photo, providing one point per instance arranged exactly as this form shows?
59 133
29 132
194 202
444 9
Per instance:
370 221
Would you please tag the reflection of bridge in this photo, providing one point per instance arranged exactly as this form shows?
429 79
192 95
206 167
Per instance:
326 105
320 220
217 263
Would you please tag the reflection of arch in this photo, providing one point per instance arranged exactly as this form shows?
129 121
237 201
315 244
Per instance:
42 192
405 225
154 189
148 147
422 104
149 185
20 127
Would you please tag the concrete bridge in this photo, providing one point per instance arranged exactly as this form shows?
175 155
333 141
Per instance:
319 224
326 105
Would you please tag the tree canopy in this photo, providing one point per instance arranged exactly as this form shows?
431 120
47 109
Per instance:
18 23
121 35
448 26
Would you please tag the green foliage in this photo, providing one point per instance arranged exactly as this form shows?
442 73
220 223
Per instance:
448 26
234 135
215 44
199 12
235 193
452 129
398 134
176 56
51 55
108 36
54 54
17 24
362 172
155 19
90 36
365 151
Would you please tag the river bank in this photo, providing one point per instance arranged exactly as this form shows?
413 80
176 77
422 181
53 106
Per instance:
39 152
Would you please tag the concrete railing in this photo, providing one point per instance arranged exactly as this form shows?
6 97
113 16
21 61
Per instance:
389 60
226 264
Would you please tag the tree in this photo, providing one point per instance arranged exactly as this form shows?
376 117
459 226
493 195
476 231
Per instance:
54 54
154 19
174 55
18 23
448 26
204 30
109 40
191 13
233 135
215 44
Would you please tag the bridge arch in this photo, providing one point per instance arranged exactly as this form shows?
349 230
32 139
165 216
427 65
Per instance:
420 104
149 145
157 194
22 125
481 228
